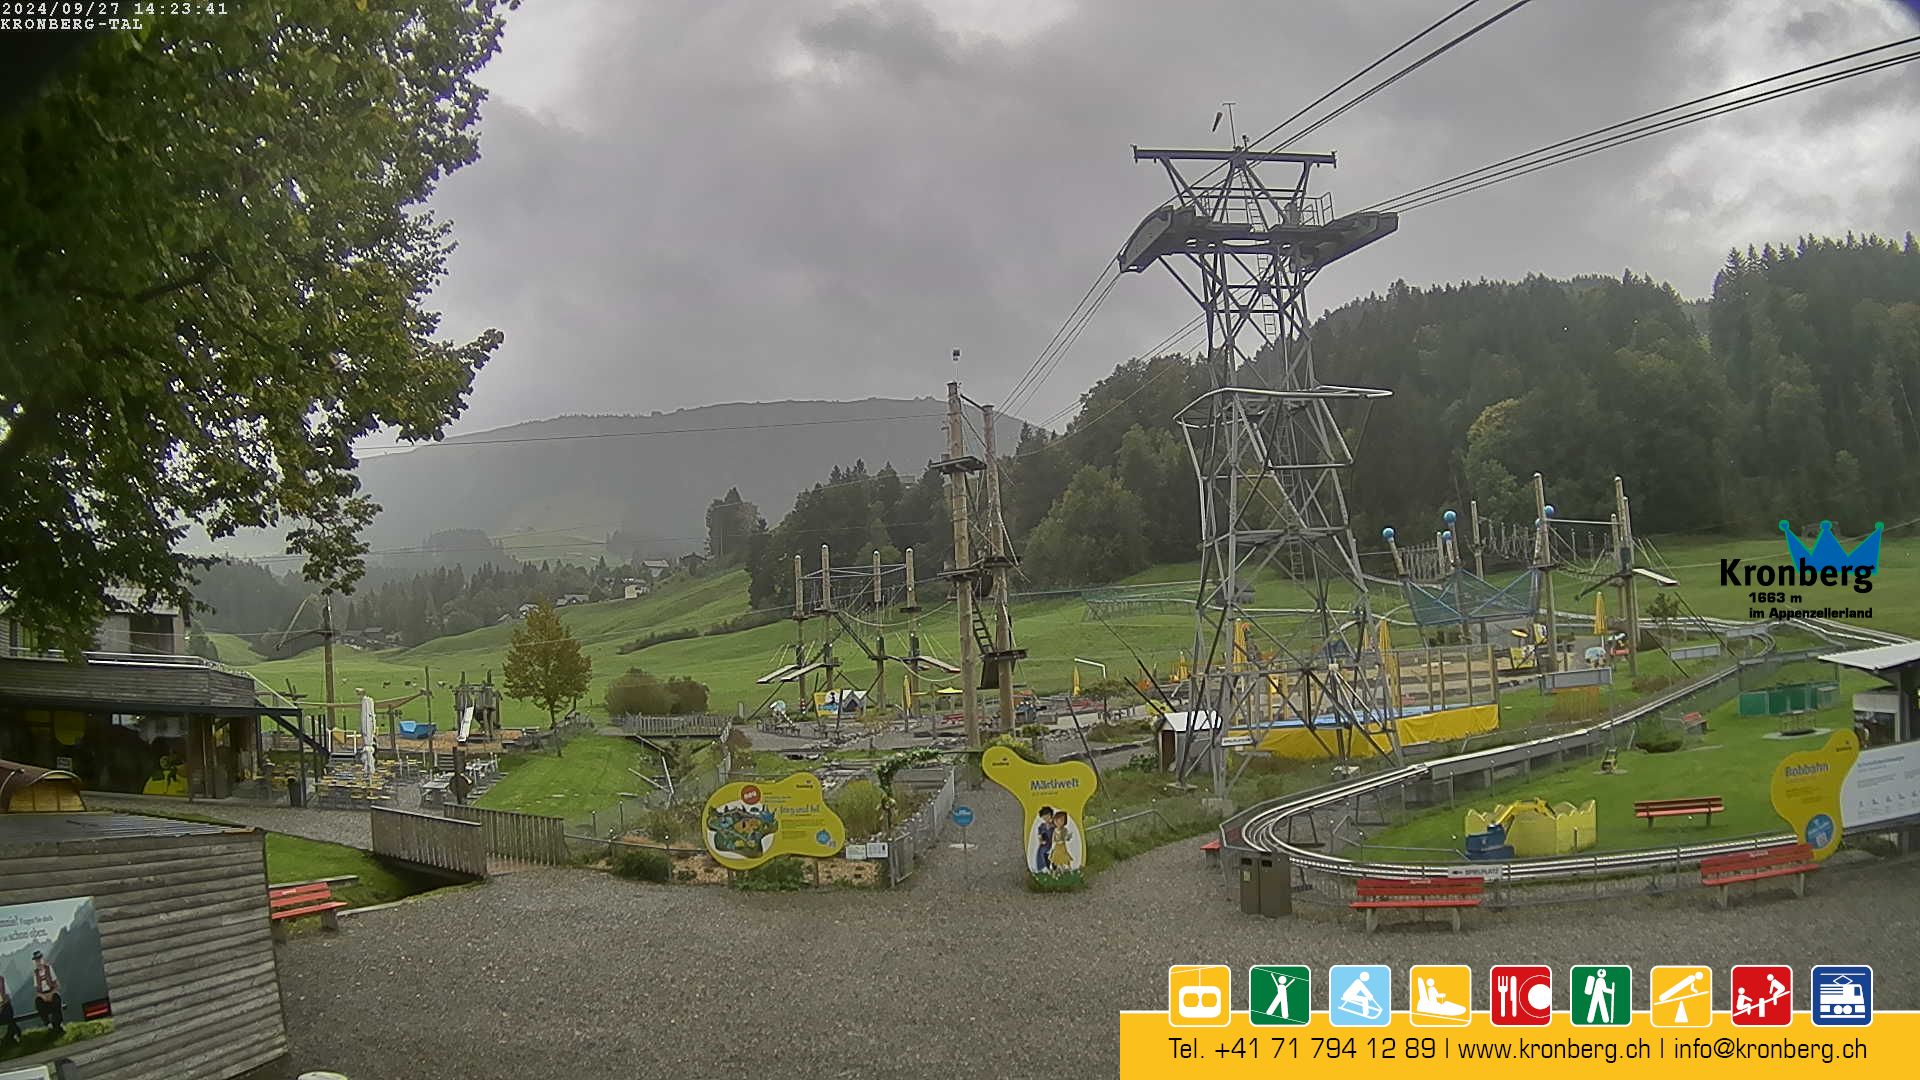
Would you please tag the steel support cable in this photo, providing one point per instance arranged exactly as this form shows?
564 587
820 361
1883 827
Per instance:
1664 127
1063 338
1351 79
1430 192
1066 345
1431 56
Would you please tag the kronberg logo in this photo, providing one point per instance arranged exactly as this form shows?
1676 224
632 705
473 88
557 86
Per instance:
1826 564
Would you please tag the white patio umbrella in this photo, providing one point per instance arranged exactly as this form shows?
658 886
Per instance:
366 734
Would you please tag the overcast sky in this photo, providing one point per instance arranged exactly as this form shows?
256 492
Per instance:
689 202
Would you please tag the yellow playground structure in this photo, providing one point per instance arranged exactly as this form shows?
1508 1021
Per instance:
1530 828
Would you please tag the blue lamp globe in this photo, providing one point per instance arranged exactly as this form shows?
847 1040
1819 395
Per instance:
1549 509
1448 518
1387 535
1448 535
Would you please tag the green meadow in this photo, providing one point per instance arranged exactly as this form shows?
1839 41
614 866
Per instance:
1054 628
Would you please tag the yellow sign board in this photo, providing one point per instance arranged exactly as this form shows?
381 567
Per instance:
1806 791
1053 801
745 824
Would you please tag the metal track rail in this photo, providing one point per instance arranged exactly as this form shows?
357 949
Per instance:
1263 828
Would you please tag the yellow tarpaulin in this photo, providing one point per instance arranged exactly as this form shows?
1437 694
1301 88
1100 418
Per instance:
1298 744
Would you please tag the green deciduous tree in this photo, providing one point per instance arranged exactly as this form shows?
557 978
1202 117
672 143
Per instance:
1094 533
544 663
214 280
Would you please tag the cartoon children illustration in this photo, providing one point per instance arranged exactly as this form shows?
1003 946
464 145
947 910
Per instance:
1060 859
1043 829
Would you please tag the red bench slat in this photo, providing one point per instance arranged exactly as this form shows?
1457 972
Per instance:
1427 892
313 910
1211 845
298 900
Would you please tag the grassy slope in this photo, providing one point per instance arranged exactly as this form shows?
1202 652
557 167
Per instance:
1054 630
601 628
588 776
1734 760
295 858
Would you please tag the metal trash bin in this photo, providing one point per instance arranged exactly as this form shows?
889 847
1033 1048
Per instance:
1249 885
1275 894
296 791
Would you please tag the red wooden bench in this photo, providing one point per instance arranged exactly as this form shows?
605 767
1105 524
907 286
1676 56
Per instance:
1211 849
1755 866
1450 894
1659 808
294 901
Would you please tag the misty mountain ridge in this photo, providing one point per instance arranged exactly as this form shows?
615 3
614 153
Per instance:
559 488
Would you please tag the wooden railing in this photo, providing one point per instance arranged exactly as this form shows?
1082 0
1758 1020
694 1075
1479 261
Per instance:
438 843
511 835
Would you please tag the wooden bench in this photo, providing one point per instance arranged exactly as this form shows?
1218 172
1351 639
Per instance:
1723 871
1659 808
1450 894
294 901
1211 849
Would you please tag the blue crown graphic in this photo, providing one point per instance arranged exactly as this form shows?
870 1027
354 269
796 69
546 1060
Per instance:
1827 551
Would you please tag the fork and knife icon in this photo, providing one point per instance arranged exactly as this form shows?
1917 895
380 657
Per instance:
1524 996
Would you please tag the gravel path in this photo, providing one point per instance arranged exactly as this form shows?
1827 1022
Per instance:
350 827
959 972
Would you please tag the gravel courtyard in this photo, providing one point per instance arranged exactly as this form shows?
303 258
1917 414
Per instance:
960 973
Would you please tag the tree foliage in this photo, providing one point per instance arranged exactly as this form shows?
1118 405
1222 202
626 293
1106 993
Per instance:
640 693
215 277
544 663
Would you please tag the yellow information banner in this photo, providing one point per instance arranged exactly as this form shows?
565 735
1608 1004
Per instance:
1153 1048
1053 800
745 824
1806 791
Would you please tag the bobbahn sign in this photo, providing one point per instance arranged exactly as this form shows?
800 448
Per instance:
746 824
1840 786
1053 801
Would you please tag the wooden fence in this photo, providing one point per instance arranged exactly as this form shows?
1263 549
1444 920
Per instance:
438 843
518 837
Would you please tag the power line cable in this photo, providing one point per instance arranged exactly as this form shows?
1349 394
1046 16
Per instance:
1435 54
1578 146
477 441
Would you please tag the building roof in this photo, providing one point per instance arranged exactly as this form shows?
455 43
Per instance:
127 598
1879 658
1202 720
26 829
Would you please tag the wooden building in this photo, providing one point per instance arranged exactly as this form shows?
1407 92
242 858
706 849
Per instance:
192 991
134 714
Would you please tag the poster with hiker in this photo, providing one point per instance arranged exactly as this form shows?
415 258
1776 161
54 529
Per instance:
53 982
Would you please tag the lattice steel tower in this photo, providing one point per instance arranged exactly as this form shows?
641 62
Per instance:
1267 450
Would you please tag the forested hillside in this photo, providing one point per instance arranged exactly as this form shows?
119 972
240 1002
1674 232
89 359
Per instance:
1786 394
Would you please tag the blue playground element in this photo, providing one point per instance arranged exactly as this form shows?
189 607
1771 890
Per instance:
1490 846
414 729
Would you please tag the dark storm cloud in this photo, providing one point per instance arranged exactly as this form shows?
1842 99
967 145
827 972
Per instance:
682 203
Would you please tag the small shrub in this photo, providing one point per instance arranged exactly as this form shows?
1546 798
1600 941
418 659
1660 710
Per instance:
664 826
1657 737
642 864
1065 881
860 804
683 875
780 875
1031 731
1020 746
